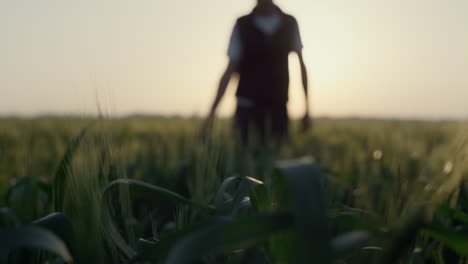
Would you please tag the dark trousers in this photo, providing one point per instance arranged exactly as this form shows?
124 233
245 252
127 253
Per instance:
260 124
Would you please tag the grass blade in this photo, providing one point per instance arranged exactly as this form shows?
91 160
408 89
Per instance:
347 242
260 198
11 216
168 240
108 219
33 237
243 191
453 213
226 236
60 178
403 238
240 199
453 240
155 189
60 225
305 187
219 200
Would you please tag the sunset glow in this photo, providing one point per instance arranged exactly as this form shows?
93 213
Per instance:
366 58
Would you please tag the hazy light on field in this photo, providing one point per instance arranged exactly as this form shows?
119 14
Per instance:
368 58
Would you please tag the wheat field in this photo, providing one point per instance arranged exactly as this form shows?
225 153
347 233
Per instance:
151 190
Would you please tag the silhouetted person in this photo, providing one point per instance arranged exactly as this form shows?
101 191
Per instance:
258 53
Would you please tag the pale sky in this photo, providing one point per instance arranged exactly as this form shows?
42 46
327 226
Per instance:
369 58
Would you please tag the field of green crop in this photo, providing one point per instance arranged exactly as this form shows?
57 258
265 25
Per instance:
152 191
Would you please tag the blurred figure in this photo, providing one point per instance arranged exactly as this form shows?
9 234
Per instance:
258 52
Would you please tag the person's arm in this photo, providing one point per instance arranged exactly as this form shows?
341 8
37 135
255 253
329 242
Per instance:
306 122
305 82
230 70
234 53
297 47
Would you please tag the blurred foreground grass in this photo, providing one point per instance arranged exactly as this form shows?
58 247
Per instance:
401 184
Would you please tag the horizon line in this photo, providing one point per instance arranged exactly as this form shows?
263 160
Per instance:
142 115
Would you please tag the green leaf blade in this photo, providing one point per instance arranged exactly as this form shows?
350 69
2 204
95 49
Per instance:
33 237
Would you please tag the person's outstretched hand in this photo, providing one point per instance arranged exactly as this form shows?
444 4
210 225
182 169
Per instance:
306 123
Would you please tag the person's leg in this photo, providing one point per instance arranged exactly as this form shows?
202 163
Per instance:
242 121
279 124
260 131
